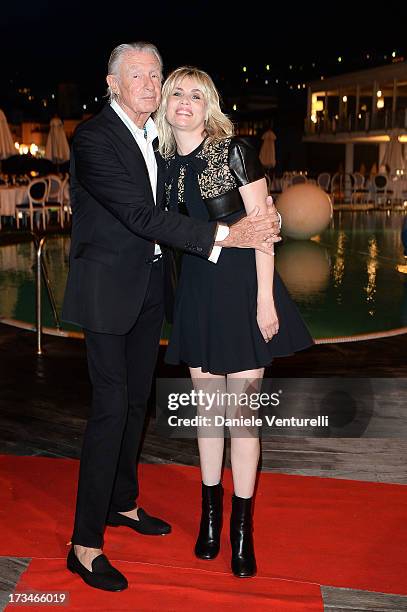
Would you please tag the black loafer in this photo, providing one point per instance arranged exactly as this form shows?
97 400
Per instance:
103 575
146 525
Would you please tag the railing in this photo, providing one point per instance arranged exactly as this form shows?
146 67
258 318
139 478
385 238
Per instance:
381 120
42 274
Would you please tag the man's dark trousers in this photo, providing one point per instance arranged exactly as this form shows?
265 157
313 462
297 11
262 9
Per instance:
121 369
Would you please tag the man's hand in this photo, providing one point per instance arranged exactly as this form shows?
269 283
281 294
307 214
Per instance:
255 231
272 210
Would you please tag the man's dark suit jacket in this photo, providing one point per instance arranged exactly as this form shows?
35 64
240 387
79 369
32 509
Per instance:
114 225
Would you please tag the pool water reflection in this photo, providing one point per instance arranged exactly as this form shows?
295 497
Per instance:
344 281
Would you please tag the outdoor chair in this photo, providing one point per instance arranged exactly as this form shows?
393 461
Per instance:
37 192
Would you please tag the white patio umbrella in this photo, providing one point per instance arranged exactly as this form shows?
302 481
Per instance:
57 148
7 148
393 157
268 149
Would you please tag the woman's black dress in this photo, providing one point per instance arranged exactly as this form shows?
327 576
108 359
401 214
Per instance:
215 325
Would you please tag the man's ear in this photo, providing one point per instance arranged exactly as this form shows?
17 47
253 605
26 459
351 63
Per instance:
111 80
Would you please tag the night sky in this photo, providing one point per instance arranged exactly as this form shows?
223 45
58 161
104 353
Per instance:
50 42
54 55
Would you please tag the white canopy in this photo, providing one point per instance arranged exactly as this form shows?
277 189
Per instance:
57 148
268 150
393 156
7 148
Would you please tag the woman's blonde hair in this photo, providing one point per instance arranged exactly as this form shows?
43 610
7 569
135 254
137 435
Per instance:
217 124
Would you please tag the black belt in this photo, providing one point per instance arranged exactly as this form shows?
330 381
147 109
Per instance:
224 205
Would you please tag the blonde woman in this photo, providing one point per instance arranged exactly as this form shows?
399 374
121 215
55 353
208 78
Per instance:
231 318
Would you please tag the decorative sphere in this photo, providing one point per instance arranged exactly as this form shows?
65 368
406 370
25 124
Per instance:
304 267
305 209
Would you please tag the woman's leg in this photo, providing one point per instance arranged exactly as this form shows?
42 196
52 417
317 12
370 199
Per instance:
245 443
245 452
211 443
210 440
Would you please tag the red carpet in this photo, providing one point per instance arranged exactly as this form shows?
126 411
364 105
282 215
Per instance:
307 530
153 588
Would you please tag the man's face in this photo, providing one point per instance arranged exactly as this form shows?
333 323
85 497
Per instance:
139 82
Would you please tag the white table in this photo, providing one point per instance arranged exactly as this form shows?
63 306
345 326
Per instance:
399 187
9 198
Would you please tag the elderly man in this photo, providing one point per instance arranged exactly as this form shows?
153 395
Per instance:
115 291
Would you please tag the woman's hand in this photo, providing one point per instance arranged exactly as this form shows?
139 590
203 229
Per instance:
267 318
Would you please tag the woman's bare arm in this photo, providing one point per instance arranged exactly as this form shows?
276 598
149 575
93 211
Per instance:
254 194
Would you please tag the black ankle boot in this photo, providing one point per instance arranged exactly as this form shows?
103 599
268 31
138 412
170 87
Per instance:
241 538
208 542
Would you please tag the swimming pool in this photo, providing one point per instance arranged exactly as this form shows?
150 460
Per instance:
344 281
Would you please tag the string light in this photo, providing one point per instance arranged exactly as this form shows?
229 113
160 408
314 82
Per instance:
325 64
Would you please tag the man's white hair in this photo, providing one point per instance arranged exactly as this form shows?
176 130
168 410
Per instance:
116 57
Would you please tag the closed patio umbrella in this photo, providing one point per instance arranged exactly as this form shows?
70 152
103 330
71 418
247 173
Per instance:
7 147
57 148
268 149
393 157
